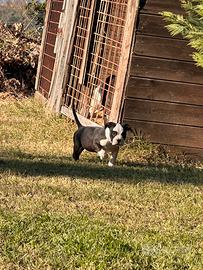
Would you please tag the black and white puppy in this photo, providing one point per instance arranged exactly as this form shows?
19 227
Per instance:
102 140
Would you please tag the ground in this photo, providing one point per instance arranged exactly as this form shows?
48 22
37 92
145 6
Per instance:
59 214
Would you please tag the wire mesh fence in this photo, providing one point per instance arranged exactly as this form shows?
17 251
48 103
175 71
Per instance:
96 57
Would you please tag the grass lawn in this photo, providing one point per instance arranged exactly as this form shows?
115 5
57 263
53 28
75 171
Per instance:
59 214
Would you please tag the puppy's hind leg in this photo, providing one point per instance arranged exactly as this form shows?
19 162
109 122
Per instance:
77 150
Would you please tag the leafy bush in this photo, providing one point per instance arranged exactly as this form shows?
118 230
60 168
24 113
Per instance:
189 25
18 62
28 13
20 35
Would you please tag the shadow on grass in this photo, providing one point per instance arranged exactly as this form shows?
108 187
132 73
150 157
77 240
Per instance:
53 166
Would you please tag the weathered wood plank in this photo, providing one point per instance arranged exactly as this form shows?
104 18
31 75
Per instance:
43 92
57 6
156 6
162 47
191 153
166 69
132 11
40 97
38 76
153 25
165 91
45 84
55 16
53 27
51 38
169 134
49 50
162 70
87 42
48 62
164 112
47 73
63 52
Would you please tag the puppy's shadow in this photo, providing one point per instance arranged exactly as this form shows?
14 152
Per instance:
53 166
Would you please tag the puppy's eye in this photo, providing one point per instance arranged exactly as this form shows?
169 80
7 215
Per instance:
114 133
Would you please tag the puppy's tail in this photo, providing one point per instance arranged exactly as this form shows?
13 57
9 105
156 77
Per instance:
75 116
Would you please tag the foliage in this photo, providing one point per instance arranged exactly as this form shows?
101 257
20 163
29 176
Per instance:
18 61
29 13
190 26
11 11
20 34
36 10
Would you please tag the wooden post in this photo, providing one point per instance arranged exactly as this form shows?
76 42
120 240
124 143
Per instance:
132 11
63 52
48 6
87 43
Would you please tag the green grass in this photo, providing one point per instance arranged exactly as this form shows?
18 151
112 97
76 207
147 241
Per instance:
59 214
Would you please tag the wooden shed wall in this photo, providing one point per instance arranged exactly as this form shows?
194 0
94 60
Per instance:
48 54
164 95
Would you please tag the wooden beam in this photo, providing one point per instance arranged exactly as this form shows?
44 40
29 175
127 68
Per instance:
48 7
63 53
40 97
87 42
126 51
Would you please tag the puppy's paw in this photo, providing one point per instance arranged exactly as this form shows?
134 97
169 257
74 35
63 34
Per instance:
101 154
110 164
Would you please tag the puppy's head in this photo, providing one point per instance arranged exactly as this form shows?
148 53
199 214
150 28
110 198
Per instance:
116 133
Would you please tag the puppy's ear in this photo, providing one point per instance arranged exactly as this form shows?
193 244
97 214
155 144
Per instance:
109 125
126 127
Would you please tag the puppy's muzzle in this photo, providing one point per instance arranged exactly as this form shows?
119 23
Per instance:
118 142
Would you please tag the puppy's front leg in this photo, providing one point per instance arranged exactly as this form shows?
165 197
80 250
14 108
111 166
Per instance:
113 157
101 153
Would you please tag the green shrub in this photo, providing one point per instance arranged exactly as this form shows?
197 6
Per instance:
189 25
